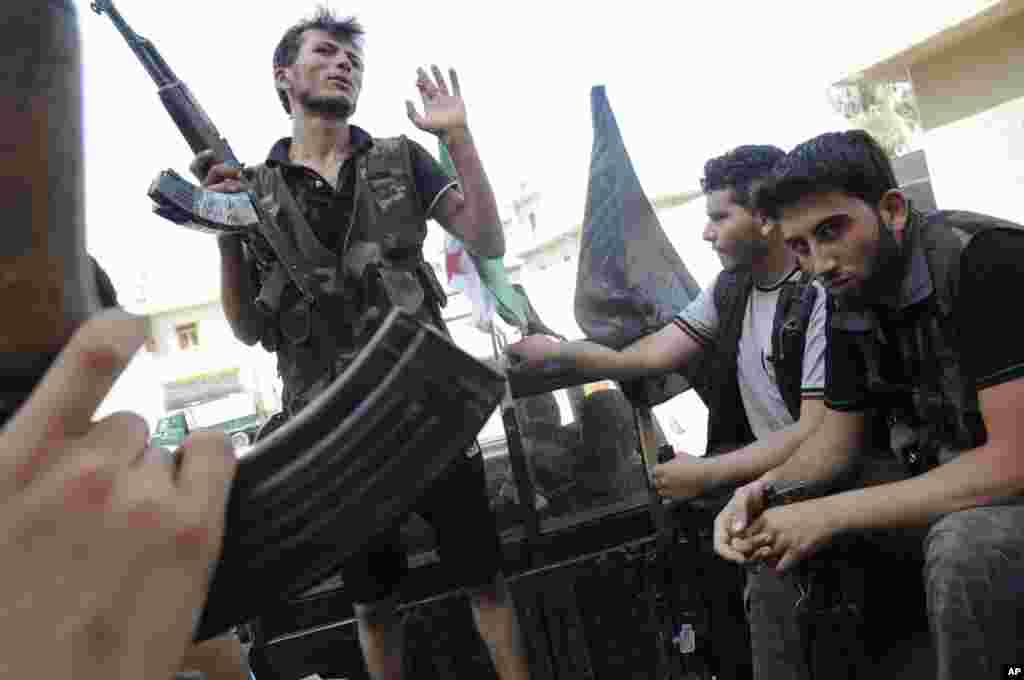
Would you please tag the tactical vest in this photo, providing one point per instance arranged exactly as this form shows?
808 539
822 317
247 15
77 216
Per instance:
320 307
728 427
943 417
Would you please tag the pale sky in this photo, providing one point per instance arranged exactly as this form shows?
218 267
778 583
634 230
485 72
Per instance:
686 81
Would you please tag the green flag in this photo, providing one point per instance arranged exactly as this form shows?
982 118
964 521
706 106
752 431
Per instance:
511 302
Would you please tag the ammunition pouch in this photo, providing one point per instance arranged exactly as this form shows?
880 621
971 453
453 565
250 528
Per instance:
296 323
373 302
431 284
271 338
269 298
402 288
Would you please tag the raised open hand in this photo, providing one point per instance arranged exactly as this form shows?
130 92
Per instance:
443 110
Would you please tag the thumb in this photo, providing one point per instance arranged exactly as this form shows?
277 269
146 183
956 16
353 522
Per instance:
414 116
751 503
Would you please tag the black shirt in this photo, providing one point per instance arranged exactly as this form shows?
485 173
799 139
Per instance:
989 329
329 210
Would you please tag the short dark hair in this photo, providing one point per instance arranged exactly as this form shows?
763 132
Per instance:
740 170
347 29
851 162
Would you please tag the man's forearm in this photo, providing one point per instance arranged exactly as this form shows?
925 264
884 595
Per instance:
812 462
235 291
480 223
986 475
594 361
758 458
826 454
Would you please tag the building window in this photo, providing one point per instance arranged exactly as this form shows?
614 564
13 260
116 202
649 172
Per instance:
188 335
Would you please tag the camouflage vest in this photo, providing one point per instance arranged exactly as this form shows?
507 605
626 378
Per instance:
728 428
939 415
321 308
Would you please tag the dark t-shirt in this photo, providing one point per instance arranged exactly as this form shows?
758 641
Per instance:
329 210
989 332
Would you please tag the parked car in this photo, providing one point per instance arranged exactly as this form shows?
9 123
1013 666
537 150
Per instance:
235 415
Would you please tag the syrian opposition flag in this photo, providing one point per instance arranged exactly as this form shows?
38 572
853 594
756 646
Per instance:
485 281
463 276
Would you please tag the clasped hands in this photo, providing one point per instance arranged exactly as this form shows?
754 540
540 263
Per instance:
746 532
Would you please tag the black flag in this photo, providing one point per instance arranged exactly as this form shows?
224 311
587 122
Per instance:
630 281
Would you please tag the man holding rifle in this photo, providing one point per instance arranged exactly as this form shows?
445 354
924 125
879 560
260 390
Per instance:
356 207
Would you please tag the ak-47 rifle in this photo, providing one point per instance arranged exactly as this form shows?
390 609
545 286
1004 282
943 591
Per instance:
175 198
185 204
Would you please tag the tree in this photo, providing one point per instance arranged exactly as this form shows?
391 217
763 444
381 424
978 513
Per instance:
885 109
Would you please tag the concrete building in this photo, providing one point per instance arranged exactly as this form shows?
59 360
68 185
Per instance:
968 80
198 359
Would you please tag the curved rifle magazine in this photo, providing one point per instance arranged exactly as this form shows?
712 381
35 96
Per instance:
347 467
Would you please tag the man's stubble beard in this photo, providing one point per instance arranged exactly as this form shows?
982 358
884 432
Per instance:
331 107
884 272
746 254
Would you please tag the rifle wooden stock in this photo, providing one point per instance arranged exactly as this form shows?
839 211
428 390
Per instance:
46 282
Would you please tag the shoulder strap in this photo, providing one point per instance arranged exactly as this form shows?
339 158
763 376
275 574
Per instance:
732 288
727 421
271 190
789 338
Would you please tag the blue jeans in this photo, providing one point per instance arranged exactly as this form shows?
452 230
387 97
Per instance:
974 580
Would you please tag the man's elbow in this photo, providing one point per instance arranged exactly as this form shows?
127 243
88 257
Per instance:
1004 467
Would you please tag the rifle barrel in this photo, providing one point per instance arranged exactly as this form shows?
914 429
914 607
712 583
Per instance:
146 52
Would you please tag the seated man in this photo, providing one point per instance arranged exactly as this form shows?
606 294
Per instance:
911 333
761 409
